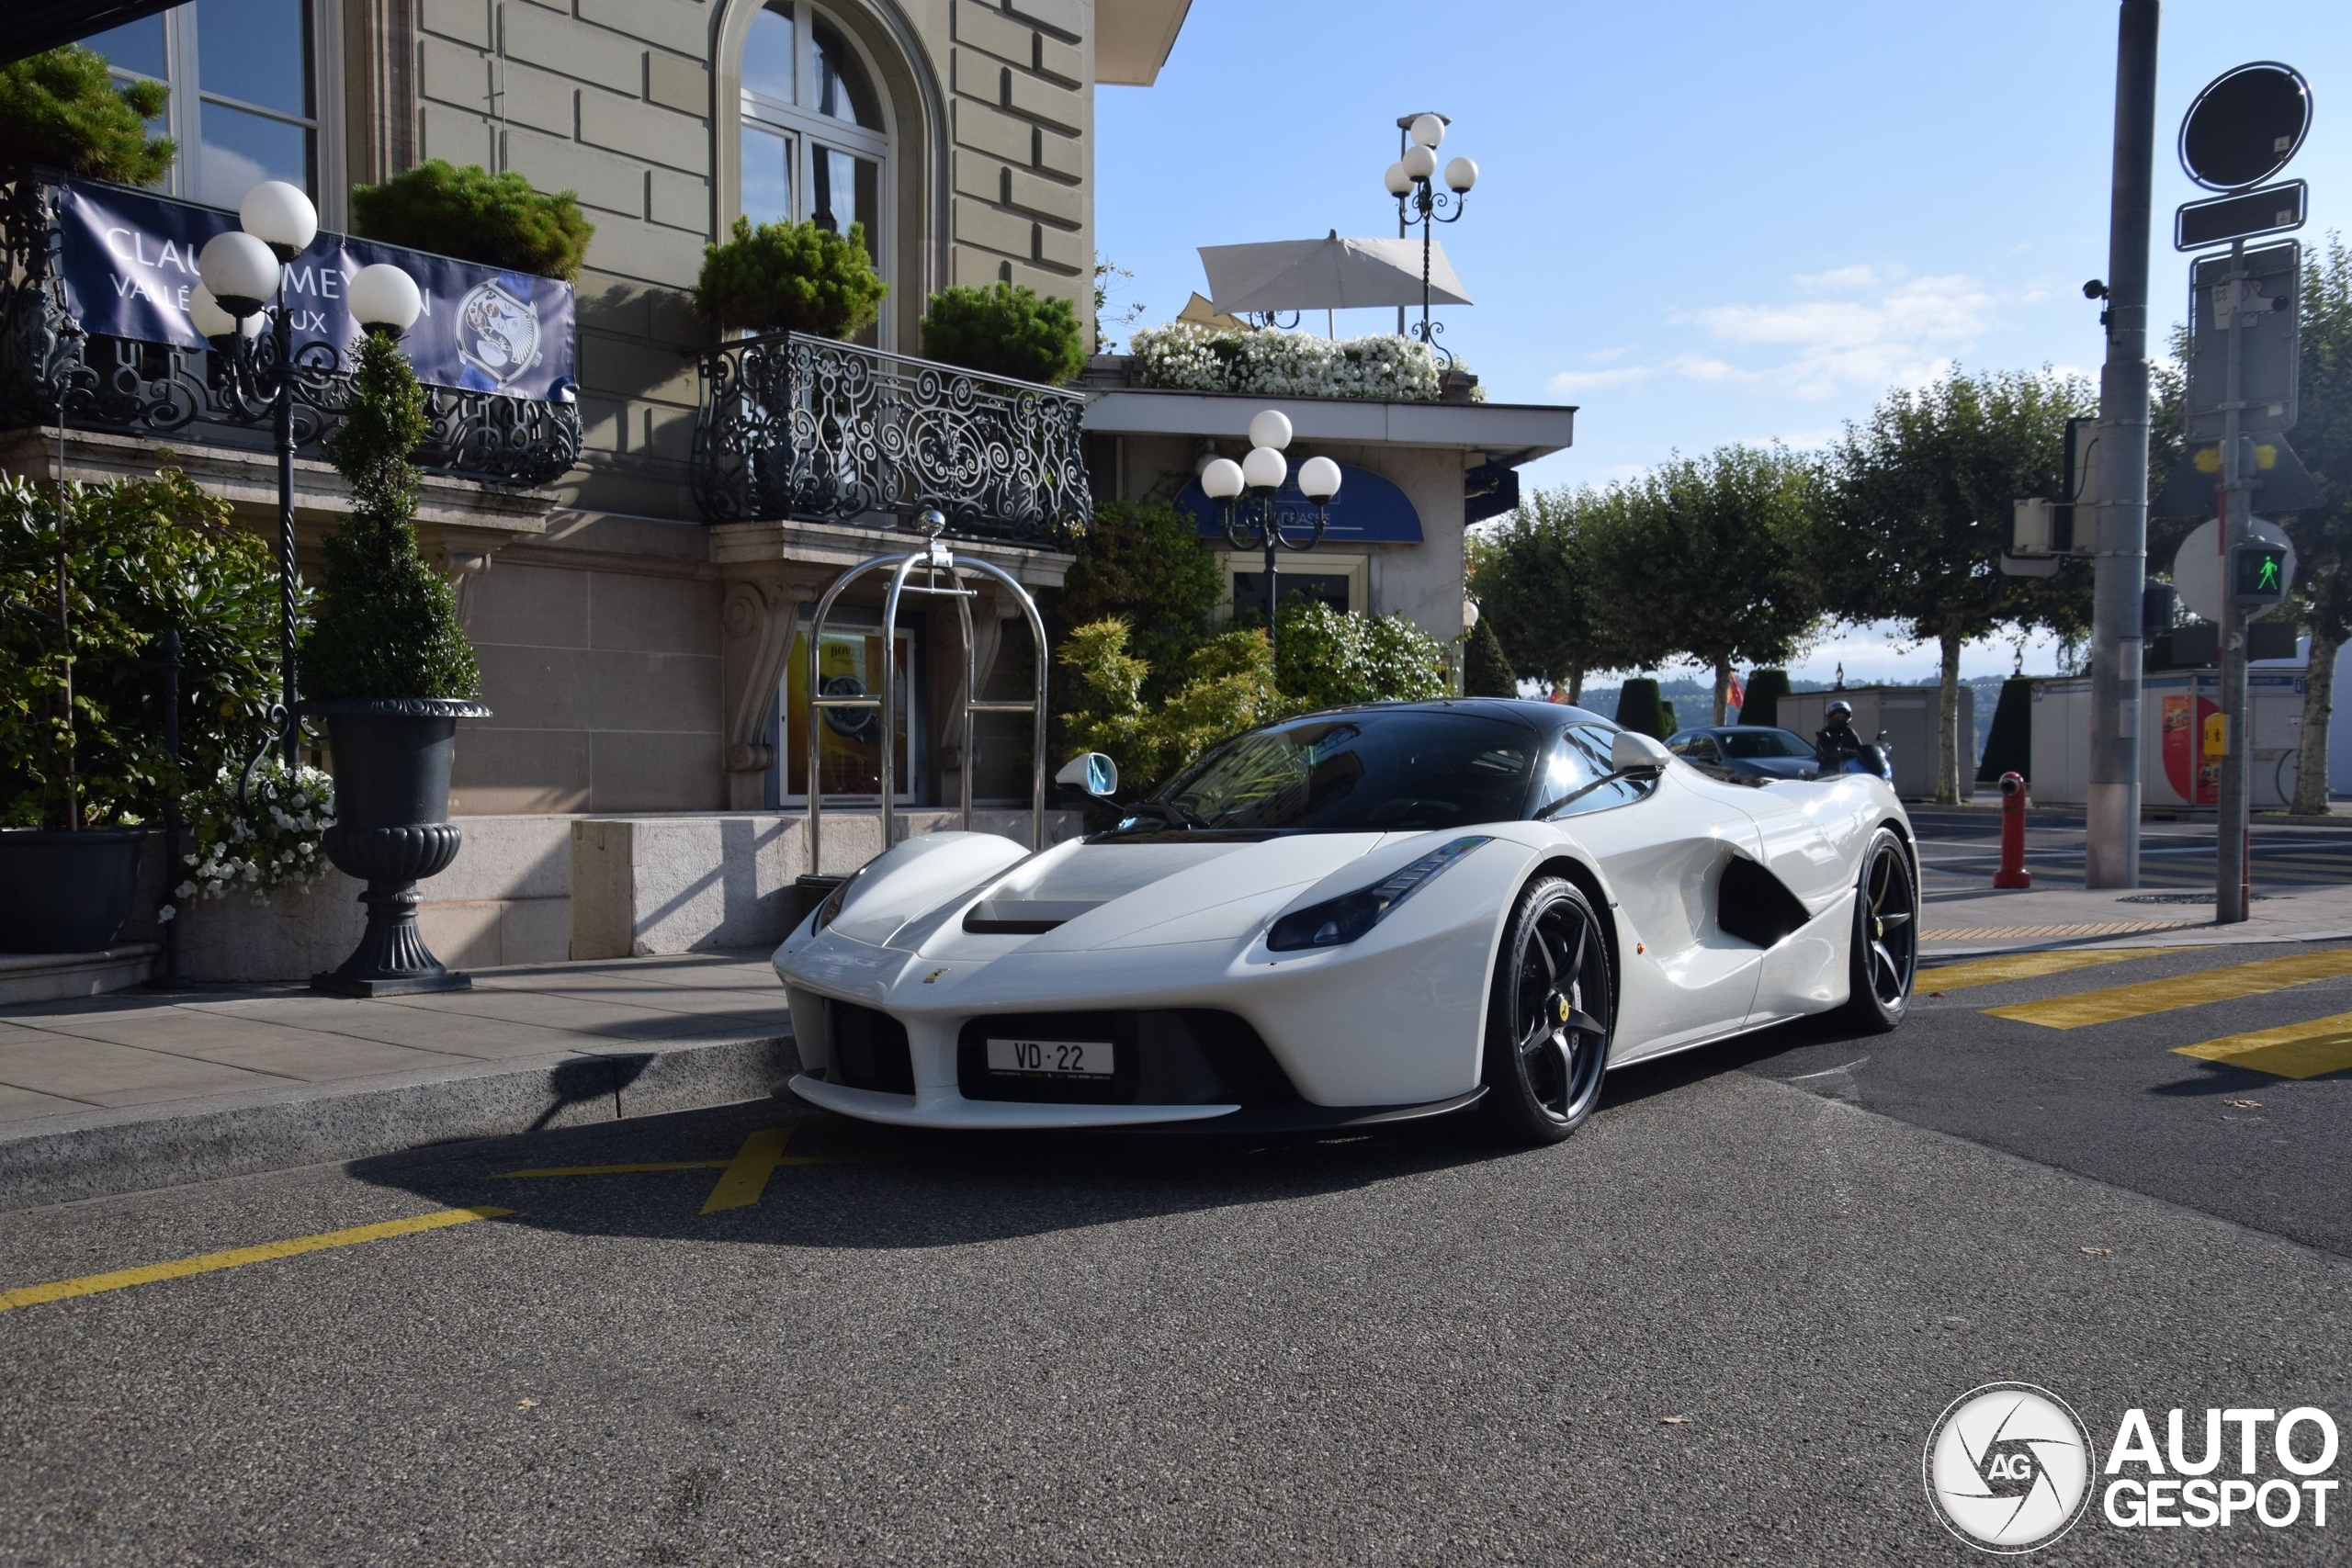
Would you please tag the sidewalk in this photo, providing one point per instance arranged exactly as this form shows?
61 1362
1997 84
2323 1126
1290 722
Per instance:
1954 923
139 1090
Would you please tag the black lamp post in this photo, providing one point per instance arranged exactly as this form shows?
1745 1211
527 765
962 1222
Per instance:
244 286
1418 201
1245 491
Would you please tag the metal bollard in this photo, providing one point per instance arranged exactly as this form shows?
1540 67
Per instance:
2013 872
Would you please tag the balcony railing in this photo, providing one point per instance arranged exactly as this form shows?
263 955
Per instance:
797 426
48 365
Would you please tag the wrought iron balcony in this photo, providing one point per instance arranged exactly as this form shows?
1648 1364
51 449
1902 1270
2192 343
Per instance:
48 368
797 426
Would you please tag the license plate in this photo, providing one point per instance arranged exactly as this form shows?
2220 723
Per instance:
1052 1058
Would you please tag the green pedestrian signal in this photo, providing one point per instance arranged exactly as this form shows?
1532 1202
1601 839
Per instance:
2262 572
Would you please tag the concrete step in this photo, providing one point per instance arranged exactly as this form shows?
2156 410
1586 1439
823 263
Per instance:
27 978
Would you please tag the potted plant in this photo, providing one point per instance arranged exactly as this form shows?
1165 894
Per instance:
799 277
90 579
499 220
60 109
1017 334
387 667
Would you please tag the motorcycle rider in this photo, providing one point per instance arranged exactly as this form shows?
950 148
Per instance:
1835 741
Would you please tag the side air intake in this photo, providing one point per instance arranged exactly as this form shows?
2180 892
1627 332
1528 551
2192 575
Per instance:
1755 905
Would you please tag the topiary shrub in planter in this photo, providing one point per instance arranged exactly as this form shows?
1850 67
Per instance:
60 110
86 601
1485 669
1017 334
1640 708
500 220
387 668
797 277
1765 689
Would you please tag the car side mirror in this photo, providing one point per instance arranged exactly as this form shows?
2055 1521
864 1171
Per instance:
1633 752
1091 771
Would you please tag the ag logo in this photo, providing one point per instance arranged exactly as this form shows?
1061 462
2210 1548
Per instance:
498 332
2008 1467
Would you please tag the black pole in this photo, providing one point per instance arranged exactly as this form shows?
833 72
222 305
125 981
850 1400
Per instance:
1266 526
1425 206
171 978
291 739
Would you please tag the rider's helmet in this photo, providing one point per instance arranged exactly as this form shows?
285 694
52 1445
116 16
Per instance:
1840 709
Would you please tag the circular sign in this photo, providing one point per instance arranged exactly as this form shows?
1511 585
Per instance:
2197 574
2009 1467
2245 125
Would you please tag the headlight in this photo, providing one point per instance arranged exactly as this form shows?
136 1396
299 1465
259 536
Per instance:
832 908
1343 919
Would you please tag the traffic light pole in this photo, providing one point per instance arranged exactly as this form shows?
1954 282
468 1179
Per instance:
2232 889
2111 849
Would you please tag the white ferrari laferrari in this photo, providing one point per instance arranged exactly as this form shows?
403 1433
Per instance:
1356 917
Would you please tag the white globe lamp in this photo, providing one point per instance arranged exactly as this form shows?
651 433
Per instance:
1264 468
1270 428
1418 162
1221 480
1428 130
214 324
1399 183
280 216
1461 175
384 299
1318 479
240 270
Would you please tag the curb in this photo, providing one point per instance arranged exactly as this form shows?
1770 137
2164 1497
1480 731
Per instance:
97 1154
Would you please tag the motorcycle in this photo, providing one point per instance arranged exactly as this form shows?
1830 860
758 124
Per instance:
1877 759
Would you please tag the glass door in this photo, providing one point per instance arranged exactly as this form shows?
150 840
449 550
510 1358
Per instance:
848 753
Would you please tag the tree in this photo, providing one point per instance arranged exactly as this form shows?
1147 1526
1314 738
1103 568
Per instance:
1005 330
61 109
1917 515
2322 535
1535 583
1708 556
1143 562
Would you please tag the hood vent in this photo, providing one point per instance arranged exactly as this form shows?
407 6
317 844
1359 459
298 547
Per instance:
1024 916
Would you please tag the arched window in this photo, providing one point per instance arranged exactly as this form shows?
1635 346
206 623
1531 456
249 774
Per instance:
816 140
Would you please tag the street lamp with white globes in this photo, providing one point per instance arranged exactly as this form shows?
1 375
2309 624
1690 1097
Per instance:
1411 180
1245 492
244 281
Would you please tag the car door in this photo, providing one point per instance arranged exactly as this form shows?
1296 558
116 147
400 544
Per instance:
1811 840
1662 844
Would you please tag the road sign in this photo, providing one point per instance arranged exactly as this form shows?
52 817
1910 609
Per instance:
2271 210
2197 569
2245 125
2258 294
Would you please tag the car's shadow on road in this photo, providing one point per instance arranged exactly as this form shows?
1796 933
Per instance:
842 1183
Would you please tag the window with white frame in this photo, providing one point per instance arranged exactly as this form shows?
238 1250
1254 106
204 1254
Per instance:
1341 581
816 137
248 99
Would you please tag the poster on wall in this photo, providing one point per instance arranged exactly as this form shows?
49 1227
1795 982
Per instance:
129 266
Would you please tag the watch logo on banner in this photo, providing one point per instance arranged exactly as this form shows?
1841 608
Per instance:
2010 1468
498 332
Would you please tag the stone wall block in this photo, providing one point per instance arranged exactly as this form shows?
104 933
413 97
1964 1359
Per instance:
644 131
541 99
993 132
586 54
673 24
600 179
1066 16
986 27
467 21
1042 100
453 75
1048 197
647 251
979 224
458 135
682 201
1059 154
677 83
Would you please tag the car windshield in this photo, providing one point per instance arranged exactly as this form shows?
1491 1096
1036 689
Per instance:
1372 772
1764 744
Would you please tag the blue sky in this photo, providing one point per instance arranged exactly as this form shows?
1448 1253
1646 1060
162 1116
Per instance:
1705 221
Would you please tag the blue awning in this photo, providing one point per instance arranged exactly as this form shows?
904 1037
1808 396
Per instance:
1369 510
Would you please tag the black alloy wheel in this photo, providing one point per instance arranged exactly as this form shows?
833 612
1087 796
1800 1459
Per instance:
1886 936
1549 1017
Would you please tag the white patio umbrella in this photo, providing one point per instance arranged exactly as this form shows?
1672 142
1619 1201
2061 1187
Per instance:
1330 273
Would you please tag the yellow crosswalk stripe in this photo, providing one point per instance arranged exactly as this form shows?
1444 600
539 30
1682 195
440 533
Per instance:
2181 990
2032 966
122 1279
2291 1051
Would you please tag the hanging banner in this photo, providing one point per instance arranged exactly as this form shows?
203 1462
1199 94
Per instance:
129 265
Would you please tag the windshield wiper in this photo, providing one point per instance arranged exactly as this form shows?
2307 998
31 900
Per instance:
1166 812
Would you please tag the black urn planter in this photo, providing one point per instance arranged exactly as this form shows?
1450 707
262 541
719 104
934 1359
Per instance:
390 759
64 891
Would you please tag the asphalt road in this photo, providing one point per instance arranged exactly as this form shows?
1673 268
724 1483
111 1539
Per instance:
1714 1326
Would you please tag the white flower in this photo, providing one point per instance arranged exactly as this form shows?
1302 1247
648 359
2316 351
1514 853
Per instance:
184 890
166 912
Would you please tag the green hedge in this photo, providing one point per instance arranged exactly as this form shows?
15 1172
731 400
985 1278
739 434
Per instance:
499 220
1765 689
1639 708
1004 331
1485 669
796 277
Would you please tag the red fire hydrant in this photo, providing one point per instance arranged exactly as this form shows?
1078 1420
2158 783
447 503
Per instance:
2013 872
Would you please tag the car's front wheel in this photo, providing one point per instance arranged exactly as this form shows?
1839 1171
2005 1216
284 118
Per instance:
1886 937
1550 1016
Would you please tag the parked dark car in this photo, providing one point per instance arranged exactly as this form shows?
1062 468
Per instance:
1747 751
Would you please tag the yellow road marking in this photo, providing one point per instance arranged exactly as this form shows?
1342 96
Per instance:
123 1278
2181 991
2032 966
747 1174
2291 1051
637 1169
741 1180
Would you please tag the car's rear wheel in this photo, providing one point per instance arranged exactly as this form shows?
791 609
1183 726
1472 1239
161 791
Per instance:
1550 1016
1886 936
